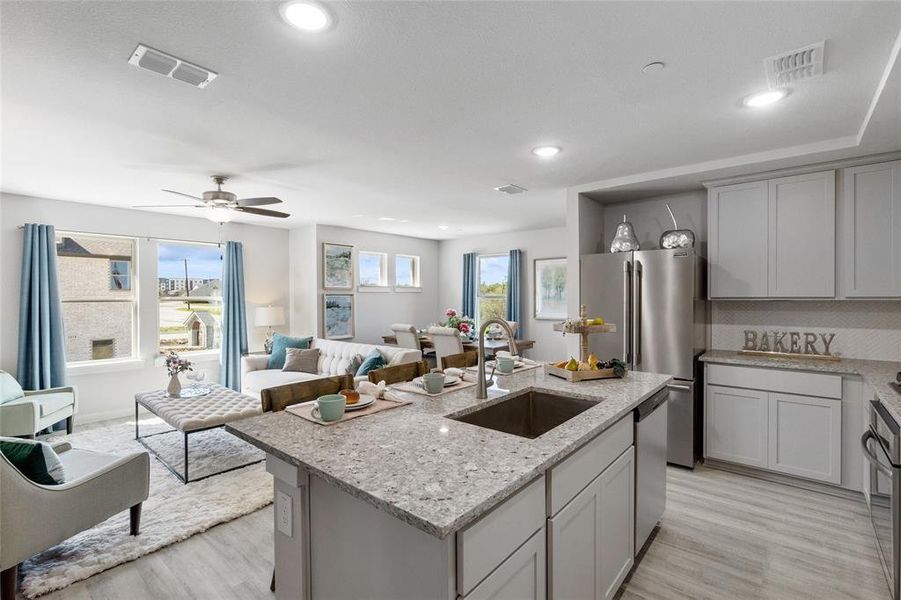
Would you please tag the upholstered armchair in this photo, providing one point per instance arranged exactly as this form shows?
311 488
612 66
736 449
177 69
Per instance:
23 413
34 517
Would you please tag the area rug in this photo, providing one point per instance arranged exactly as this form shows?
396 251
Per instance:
173 512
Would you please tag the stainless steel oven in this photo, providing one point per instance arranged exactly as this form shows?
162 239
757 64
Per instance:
882 489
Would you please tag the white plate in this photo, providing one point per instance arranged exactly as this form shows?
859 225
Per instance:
362 403
450 380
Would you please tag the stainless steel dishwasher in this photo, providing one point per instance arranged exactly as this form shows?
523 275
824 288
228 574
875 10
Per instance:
650 465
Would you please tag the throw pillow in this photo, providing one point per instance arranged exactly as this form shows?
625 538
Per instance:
280 343
354 364
374 361
35 460
302 359
9 388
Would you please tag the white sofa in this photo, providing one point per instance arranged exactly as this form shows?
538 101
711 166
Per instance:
334 358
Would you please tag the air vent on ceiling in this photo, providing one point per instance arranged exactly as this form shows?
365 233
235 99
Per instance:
796 65
511 189
171 66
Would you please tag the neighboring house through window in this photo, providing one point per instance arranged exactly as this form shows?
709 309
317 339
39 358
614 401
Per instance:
98 300
491 300
190 297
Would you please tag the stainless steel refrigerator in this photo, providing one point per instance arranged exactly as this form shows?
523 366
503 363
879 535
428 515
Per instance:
657 299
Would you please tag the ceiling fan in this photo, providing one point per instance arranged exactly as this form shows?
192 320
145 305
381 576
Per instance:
221 204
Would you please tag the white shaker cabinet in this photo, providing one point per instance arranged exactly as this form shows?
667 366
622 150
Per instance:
805 436
520 577
738 230
801 258
736 425
871 208
773 238
591 539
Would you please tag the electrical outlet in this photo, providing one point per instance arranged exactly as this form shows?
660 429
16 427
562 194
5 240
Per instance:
283 513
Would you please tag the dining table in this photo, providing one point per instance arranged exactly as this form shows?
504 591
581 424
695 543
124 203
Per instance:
492 346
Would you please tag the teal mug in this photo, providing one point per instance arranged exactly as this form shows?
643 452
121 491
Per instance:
329 407
504 364
433 382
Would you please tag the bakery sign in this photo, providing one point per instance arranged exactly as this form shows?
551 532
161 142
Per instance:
788 343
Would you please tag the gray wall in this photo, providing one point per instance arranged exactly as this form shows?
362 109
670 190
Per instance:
650 218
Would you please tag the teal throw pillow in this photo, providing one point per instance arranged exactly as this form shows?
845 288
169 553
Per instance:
9 388
35 460
280 343
374 361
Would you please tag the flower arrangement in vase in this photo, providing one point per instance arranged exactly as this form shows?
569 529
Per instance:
176 365
465 325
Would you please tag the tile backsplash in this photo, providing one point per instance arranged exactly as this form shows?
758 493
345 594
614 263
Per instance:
863 329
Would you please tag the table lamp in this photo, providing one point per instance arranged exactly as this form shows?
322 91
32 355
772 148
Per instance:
269 316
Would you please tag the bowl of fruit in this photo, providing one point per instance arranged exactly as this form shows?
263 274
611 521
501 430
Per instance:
585 370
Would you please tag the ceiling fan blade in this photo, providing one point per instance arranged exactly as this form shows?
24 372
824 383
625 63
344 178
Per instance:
183 194
257 201
170 206
262 212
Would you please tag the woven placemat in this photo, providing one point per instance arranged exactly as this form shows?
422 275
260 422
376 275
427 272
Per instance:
304 411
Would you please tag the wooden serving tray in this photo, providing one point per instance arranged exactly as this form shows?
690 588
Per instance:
579 375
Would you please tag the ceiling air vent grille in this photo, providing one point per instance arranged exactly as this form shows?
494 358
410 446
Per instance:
170 66
510 189
796 65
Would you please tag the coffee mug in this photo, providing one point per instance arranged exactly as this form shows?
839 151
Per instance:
504 364
329 407
433 382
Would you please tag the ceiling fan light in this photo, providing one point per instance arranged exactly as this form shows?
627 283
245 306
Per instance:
219 214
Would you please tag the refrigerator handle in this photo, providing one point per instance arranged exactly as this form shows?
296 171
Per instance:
636 315
627 311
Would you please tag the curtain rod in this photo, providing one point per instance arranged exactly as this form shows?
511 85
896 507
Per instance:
146 237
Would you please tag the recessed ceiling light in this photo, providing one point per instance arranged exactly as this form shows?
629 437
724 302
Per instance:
387 219
765 98
444 227
306 16
652 67
405 220
546 151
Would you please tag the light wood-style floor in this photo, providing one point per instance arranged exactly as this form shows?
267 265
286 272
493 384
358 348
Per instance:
724 536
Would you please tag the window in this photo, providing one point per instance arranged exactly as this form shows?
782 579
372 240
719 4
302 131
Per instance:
406 271
120 275
373 269
492 293
98 300
190 297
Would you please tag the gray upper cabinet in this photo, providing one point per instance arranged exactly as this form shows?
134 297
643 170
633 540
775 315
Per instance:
871 232
802 236
738 231
773 238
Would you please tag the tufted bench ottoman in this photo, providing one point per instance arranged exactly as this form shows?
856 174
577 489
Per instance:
190 415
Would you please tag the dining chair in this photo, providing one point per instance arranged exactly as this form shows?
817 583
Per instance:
470 358
280 397
503 332
399 373
406 335
446 341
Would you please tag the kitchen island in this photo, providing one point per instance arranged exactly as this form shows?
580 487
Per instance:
409 503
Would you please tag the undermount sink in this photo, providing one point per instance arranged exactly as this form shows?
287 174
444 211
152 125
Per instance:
529 414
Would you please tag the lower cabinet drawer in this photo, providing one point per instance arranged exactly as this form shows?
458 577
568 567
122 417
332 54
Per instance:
521 577
485 544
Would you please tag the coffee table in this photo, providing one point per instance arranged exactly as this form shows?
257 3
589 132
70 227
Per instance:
192 415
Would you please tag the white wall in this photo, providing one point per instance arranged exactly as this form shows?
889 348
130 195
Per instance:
374 312
108 391
304 275
538 243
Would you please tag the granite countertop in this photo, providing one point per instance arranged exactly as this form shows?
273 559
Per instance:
875 373
435 473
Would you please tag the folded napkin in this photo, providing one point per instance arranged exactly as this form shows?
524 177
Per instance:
379 390
461 373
